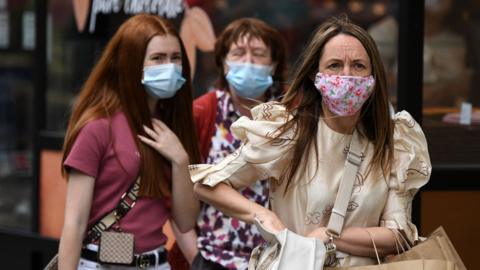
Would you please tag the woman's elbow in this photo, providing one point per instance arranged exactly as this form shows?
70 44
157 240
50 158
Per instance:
200 190
186 228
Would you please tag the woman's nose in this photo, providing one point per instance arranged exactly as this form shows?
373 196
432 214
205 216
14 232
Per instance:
249 57
346 71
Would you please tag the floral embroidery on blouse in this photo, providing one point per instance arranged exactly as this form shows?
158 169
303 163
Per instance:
221 239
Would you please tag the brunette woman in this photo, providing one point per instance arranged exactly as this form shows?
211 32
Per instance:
301 145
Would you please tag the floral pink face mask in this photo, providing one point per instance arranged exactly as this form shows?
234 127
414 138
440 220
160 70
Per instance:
344 95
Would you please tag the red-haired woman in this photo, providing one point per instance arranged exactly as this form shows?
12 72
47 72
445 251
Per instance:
133 118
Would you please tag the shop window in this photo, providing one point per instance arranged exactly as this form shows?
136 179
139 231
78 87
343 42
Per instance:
451 65
72 52
16 114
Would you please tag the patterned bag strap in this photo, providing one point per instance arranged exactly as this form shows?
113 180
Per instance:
126 203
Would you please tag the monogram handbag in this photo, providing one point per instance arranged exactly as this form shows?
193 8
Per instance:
287 250
114 247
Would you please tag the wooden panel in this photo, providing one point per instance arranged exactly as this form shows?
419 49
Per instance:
53 189
458 212
452 143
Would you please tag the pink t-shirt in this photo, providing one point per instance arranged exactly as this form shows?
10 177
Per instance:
99 147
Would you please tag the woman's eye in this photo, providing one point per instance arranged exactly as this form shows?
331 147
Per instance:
237 53
334 66
157 58
359 66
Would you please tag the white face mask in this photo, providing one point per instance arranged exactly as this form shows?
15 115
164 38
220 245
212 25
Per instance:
163 81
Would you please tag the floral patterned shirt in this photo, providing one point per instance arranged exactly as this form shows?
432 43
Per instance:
222 239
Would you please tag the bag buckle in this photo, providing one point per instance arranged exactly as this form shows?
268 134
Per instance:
123 207
330 250
93 234
354 158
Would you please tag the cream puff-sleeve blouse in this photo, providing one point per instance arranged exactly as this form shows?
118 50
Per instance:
377 199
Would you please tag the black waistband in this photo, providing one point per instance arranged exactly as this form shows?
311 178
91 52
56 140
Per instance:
145 260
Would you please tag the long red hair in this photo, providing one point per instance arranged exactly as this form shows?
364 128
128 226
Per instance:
115 84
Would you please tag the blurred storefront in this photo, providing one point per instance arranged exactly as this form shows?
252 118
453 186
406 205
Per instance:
431 51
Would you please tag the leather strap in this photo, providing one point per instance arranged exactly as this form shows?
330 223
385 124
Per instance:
126 203
352 165
141 260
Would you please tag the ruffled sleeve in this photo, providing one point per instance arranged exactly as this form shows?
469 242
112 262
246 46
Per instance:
259 157
410 170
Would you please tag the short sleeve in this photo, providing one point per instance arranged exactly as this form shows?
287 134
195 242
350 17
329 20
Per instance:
411 169
259 157
89 148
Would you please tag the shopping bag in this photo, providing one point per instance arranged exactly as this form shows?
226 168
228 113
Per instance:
420 264
435 252
436 247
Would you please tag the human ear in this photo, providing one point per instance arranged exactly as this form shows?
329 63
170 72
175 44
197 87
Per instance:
274 67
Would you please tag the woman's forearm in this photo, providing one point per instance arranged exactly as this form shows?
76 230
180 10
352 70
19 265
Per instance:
70 247
187 242
229 201
357 241
185 207
77 209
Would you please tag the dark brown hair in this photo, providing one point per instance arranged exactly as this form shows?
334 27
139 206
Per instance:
254 28
115 84
303 100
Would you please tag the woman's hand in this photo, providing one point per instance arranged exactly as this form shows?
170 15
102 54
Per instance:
165 142
320 233
184 205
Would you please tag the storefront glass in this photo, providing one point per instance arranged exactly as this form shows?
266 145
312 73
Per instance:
74 41
451 65
73 51
17 41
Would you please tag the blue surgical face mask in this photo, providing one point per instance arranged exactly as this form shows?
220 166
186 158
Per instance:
163 81
249 80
